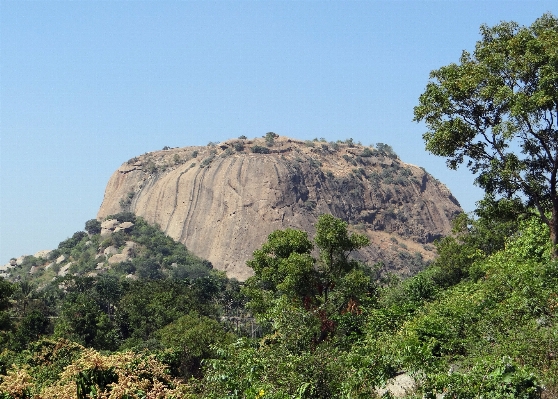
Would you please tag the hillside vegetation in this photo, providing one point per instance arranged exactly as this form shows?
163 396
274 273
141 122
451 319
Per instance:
479 322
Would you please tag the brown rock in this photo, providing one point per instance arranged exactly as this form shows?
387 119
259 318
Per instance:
42 254
223 204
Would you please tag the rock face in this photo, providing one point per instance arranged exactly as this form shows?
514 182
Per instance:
222 201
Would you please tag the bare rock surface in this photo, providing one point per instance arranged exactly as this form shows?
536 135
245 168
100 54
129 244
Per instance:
43 254
223 201
399 386
64 269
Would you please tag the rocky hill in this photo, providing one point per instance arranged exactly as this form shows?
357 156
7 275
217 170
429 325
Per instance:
222 200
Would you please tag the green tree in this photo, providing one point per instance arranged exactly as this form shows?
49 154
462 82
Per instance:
335 245
497 109
301 296
270 138
283 266
93 226
194 338
6 291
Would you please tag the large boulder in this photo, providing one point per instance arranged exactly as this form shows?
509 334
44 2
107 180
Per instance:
223 201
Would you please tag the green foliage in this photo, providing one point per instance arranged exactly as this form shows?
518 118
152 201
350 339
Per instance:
508 311
193 338
303 298
350 160
207 161
93 226
229 151
367 152
334 145
309 143
471 241
238 146
270 138
123 217
386 150
258 149
498 378
6 290
335 245
282 266
496 109
66 245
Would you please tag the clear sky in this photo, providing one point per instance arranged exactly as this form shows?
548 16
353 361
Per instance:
87 85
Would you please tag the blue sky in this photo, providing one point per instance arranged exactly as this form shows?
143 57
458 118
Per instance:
85 86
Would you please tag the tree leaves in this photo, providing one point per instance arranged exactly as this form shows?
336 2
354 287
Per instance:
498 110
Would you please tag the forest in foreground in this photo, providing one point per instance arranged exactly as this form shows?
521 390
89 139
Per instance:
480 321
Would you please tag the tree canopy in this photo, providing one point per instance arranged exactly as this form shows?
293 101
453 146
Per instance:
497 110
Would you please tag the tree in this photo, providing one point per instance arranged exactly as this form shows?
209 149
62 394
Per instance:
6 291
270 138
193 337
497 109
283 266
302 295
93 226
335 245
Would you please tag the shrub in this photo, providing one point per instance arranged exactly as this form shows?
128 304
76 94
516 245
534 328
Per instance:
123 217
309 205
238 146
367 152
315 163
151 167
73 241
387 150
258 149
207 161
226 153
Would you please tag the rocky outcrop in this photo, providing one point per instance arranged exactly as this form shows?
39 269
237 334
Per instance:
222 201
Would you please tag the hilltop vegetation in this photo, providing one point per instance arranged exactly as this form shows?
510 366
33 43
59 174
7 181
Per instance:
128 247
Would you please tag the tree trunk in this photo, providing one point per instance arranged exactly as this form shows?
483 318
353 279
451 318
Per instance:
553 225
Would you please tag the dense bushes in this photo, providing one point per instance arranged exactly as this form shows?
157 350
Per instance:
479 322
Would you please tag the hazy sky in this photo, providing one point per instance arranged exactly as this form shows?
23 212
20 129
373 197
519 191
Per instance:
87 85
